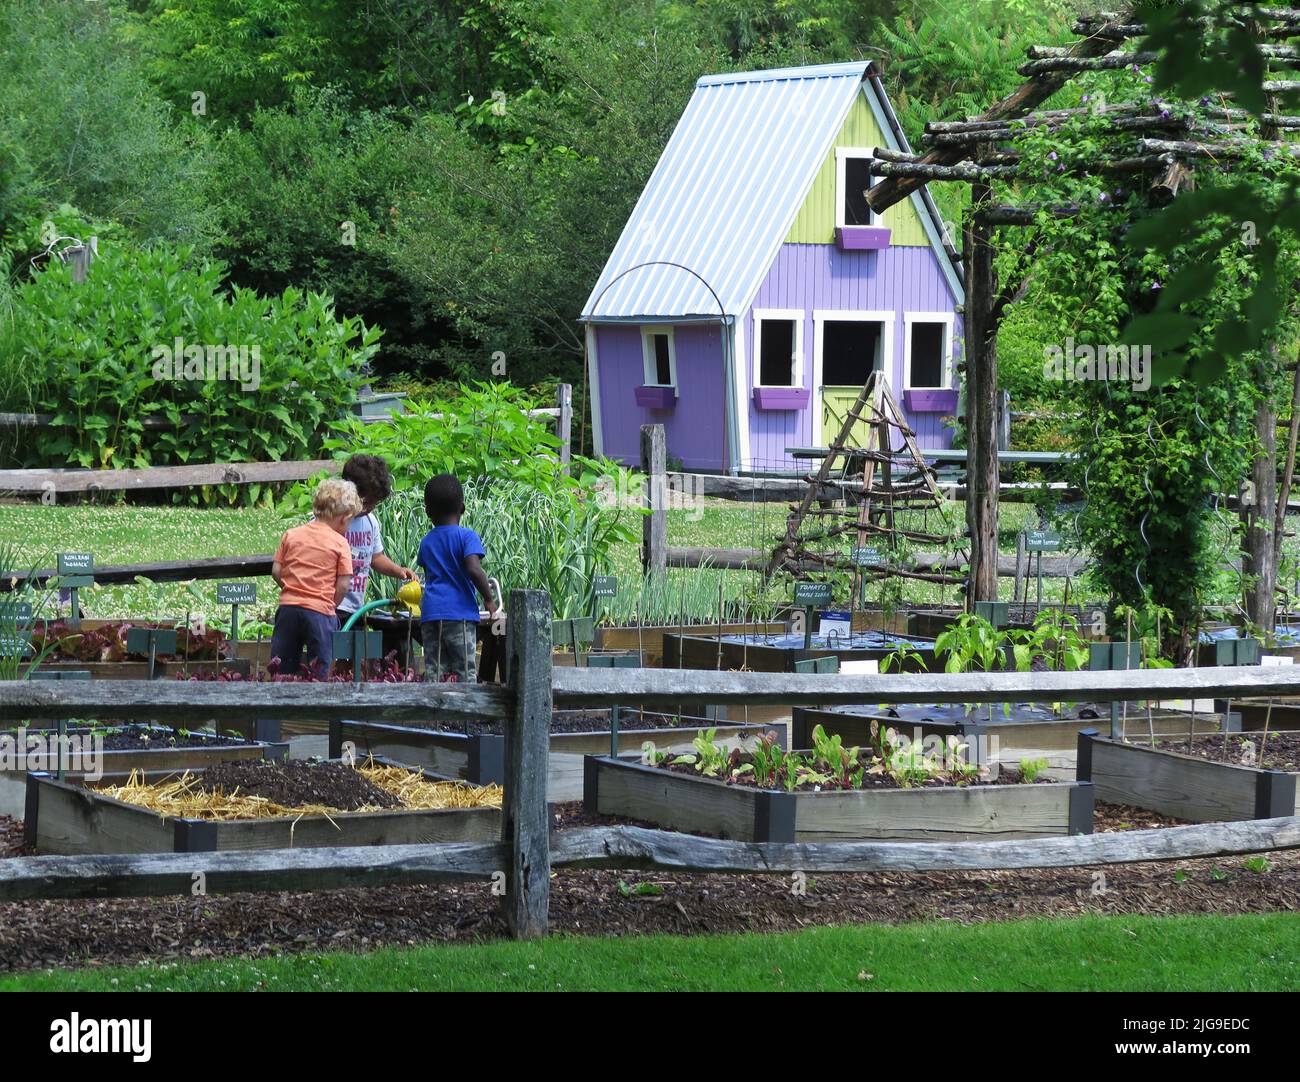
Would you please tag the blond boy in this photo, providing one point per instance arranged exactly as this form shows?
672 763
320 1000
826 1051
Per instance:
313 568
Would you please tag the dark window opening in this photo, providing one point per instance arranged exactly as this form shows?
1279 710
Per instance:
850 351
663 361
857 179
776 353
927 355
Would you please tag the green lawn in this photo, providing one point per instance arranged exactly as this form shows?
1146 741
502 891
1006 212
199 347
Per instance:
1257 952
143 534
128 534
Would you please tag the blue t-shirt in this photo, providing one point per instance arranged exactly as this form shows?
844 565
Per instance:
448 592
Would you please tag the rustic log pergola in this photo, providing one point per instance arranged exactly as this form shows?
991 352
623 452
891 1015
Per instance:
1169 145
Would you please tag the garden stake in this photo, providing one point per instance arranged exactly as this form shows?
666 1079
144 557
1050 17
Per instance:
1263 743
718 666
185 664
257 658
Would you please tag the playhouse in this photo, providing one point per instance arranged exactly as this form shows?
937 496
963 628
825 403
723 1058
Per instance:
752 290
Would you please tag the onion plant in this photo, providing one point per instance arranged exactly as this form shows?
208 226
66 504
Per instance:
17 662
556 541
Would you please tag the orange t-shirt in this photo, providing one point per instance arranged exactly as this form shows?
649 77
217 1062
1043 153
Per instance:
311 557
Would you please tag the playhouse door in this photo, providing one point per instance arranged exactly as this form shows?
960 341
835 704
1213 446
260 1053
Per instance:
851 350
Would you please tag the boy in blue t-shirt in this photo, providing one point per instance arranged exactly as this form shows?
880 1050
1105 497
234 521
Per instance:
449 557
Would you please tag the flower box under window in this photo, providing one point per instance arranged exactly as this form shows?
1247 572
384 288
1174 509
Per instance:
936 400
780 398
656 398
861 238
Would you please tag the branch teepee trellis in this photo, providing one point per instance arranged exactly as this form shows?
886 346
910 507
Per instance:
872 508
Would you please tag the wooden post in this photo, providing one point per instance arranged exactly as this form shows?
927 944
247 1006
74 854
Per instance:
654 527
524 826
981 403
564 423
81 258
1258 520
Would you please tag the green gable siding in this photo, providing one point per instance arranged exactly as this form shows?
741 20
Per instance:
815 223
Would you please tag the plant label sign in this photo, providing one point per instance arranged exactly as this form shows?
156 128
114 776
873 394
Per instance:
236 593
1042 541
811 595
15 613
76 563
605 585
16 644
867 557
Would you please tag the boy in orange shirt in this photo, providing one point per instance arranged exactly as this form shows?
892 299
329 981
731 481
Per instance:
313 568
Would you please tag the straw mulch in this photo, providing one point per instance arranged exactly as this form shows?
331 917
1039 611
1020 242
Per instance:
184 798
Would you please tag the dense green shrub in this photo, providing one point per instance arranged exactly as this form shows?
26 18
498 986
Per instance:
304 194
483 431
94 355
91 128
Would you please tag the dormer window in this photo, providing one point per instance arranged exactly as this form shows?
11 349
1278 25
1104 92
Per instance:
853 178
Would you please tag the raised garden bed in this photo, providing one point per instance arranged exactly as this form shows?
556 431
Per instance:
700 805
779 653
155 751
1255 714
479 757
1030 731
139 670
1209 784
65 817
931 623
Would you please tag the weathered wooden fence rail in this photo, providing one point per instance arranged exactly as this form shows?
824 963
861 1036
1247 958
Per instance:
527 850
156 477
160 874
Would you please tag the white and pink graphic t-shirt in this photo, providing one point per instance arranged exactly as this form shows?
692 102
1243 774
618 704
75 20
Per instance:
363 536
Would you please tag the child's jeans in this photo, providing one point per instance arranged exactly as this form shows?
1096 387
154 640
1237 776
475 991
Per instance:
449 650
296 627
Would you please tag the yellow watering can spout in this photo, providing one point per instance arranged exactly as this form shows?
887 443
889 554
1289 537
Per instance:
410 594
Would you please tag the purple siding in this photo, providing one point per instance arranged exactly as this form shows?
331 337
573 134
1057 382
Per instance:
819 276
693 428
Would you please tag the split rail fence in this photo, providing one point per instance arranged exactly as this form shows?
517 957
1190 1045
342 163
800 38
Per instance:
527 850
68 481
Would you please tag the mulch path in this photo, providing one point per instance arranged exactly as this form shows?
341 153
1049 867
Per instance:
585 902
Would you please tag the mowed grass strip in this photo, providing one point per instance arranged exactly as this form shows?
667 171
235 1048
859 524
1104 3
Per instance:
1256 952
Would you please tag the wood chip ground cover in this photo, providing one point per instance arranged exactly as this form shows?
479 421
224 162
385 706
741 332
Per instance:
585 902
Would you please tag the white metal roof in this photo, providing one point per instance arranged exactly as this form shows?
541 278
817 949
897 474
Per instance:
724 193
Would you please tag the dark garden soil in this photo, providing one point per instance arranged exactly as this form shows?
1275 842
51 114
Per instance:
586 902
597 721
296 783
143 738
1280 752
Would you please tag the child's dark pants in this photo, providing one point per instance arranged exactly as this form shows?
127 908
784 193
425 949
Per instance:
296 627
449 650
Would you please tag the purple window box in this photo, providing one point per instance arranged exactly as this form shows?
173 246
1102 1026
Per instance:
861 238
780 398
656 398
931 401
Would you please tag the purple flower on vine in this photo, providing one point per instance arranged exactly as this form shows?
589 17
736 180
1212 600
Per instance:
1104 197
1052 156
1156 285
